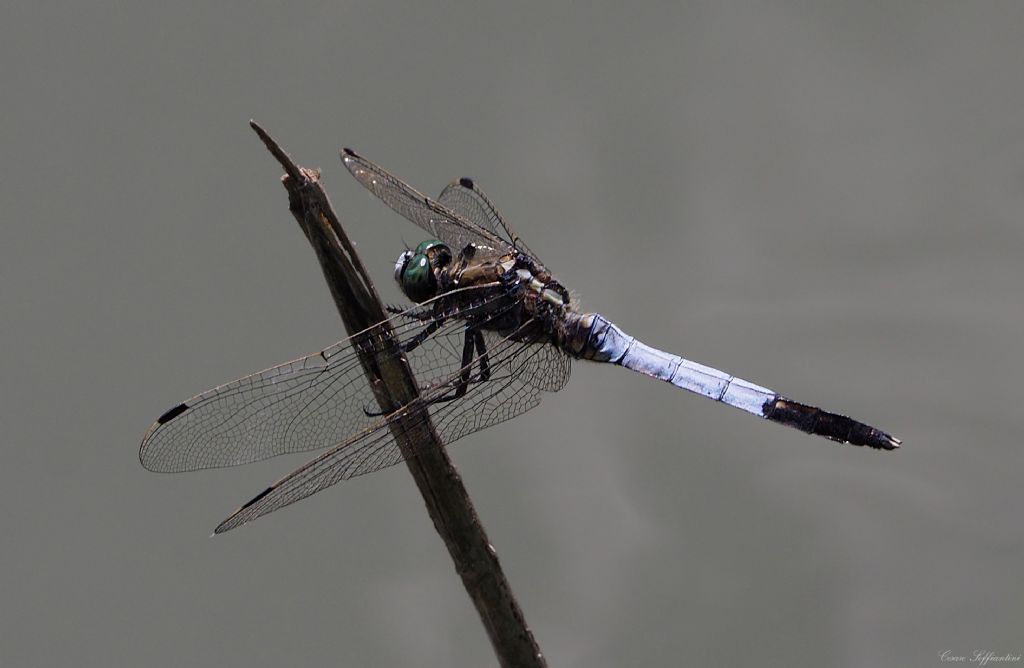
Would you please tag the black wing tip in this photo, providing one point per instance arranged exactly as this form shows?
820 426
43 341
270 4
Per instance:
230 523
347 151
172 413
467 182
255 499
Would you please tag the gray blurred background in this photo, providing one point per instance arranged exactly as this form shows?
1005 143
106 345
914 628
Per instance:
828 200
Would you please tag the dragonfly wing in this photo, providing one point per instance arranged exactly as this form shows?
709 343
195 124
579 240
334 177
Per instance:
465 198
517 373
369 451
309 403
301 405
442 222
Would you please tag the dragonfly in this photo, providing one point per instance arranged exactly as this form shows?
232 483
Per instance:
489 330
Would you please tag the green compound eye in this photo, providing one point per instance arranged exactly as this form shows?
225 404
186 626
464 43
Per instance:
418 282
427 245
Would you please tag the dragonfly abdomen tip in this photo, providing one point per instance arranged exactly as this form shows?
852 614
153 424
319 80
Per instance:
835 427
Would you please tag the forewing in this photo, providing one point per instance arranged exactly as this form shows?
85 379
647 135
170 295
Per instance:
440 221
309 403
465 198
519 372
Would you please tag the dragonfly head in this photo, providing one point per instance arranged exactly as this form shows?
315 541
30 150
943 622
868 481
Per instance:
415 270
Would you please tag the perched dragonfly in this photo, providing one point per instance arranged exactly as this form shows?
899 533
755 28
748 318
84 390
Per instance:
489 332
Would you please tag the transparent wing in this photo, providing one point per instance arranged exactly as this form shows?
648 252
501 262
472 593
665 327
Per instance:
519 372
309 403
440 221
465 198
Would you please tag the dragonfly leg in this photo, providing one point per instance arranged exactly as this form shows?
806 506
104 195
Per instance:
410 345
474 342
481 348
424 334
422 314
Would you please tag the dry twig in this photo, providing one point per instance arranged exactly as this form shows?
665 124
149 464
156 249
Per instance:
446 498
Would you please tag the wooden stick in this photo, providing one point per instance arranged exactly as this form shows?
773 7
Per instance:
445 496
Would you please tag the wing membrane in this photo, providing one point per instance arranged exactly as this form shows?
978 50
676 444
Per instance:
442 222
519 372
465 198
309 403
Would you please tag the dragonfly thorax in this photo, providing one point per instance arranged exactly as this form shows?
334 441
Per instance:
415 269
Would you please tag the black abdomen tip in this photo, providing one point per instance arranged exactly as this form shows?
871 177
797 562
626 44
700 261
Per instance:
835 427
